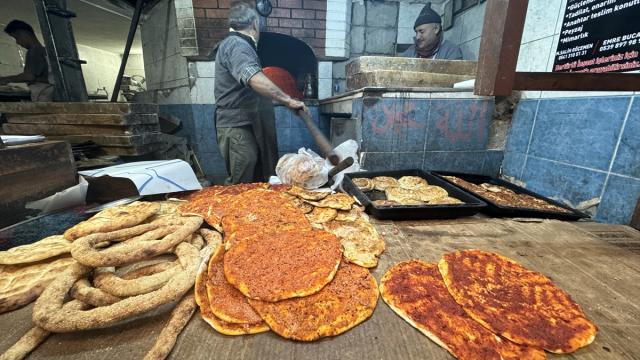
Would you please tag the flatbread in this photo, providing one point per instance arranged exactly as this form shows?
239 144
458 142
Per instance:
341 305
277 265
381 183
22 284
360 241
352 215
211 237
447 200
211 203
412 182
415 291
338 201
207 315
321 215
364 184
304 207
256 209
522 305
46 248
399 194
112 219
306 194
430 193
226 302
382 203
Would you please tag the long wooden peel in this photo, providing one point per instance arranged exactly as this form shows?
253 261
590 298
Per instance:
319 138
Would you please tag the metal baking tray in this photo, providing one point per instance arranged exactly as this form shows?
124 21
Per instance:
496 210
471 206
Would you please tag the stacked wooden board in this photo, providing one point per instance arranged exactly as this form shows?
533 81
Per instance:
380 71
119 128
30 172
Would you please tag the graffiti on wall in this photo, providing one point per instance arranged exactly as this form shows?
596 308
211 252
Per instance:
467 123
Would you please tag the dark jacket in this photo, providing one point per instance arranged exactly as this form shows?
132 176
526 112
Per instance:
446 51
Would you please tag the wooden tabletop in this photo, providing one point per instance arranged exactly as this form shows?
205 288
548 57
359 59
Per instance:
599 265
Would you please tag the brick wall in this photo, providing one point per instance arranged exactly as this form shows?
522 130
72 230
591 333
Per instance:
303 19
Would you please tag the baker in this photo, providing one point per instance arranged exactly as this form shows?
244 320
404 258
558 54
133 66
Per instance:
428 42
36 67
239 83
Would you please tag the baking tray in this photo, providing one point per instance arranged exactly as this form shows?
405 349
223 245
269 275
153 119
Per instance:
496 210
471 206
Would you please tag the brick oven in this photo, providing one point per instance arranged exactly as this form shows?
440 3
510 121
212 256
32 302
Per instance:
301 19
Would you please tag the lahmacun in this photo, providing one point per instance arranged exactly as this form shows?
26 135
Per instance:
415 291
277 265
522 305
345 302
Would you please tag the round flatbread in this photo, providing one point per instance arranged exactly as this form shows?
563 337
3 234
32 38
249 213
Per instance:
430 193
352 215
338 201
415 291
225 301
381 183
447 200
385 203
361 243
223 327
412 202
263 209
399 194
412 182
364 184
321 215
277 265
341 305
112 219
308 195
22 284
522 305
40 250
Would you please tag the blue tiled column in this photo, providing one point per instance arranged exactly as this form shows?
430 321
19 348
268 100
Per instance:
577 150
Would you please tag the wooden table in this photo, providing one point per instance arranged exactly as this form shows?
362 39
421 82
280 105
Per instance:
599 265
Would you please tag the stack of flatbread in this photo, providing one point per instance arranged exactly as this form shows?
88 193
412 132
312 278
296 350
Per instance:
510 312
280 270
406 191
26 270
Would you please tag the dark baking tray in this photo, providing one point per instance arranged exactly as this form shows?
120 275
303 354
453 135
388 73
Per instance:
471 206
506 211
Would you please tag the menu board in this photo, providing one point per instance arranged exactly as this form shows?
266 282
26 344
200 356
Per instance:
599 36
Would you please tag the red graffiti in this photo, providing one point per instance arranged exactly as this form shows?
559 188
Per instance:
460 127
396 118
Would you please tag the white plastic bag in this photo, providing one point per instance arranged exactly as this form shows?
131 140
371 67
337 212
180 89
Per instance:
305 169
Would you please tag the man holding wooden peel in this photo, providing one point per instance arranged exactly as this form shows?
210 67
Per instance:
239 82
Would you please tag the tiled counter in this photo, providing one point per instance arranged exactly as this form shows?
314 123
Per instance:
440 129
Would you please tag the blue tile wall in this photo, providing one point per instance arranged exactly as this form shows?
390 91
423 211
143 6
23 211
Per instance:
459 125
513 164
394 124
619 200
521 125
492 162
627 161
563 182
459 161
377 161
576 145
293 134
583 132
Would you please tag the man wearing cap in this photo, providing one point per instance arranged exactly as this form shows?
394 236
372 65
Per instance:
428 42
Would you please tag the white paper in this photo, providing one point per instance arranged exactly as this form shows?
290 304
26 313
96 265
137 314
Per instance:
21 139
153 177
65 199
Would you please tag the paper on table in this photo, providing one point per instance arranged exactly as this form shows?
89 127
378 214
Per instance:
21 139
153 177
64 199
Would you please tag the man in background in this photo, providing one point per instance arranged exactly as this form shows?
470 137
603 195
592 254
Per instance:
428 42
239 84
36 67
